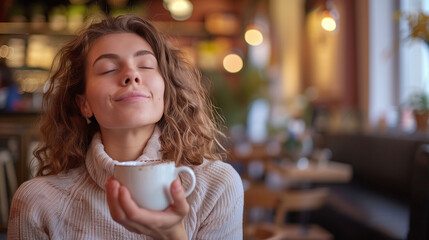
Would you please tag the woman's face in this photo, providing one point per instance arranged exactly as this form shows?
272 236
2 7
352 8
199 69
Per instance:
124 88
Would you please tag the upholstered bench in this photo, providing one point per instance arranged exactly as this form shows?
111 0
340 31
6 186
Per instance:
376 203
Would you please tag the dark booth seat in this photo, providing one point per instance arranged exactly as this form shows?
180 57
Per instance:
388 195
419 211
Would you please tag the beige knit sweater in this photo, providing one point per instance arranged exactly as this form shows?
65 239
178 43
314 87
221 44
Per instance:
73 205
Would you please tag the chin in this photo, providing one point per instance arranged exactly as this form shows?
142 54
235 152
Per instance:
140 124
126 124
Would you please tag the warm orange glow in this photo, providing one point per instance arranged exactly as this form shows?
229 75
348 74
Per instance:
329 24
4 51
232 63
180 9
253 37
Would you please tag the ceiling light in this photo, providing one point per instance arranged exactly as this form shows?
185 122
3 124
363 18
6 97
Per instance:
232 63
330 17
328 23
253 37
180 9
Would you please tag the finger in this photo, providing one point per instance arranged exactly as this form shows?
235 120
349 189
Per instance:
180 205
130 207
115 199
137 218
112 193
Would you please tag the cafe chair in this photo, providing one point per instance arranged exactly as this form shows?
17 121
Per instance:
282 203
302 201
7 179
419 204
260 197
32 162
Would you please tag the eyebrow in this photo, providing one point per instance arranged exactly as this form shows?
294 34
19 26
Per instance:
115 56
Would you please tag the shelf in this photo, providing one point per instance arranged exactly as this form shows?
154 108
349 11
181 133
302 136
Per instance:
174 29
182 29
26 28
30 68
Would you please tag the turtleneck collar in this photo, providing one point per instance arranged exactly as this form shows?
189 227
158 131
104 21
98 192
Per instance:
100 165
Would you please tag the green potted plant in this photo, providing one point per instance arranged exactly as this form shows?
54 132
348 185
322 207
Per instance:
418 24
419 102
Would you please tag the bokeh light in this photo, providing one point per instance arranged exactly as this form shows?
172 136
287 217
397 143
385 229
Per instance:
232 63
253 37
329 24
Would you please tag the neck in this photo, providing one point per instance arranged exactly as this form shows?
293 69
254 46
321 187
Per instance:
126 144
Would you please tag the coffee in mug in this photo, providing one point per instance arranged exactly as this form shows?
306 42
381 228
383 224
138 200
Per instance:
149 183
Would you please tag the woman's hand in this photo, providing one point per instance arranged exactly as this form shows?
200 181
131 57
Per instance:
167 224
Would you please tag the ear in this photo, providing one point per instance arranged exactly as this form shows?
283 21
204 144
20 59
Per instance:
85 109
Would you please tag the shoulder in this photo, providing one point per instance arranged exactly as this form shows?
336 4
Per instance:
217 172
217 201
35 191
216 179
34 200
37 204
39 201
44 190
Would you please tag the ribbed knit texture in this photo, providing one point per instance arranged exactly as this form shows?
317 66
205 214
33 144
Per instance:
73 205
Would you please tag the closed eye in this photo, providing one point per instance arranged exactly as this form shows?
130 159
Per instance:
146 67
108 71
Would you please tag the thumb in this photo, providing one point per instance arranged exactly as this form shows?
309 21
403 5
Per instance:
180 205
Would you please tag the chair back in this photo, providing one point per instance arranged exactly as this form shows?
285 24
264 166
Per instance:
300 200
282 202
261 196
304 200
419 204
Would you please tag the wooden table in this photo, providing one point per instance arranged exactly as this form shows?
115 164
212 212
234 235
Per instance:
328 172
305 175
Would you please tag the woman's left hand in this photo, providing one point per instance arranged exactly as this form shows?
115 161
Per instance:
167 224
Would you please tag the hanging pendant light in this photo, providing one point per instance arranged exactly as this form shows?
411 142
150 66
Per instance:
330 17
180 10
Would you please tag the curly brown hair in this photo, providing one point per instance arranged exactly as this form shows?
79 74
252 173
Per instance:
189 130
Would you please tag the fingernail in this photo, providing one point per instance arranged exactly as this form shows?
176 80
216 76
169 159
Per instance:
176 186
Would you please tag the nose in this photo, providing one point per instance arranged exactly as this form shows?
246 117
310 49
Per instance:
128 80
131 76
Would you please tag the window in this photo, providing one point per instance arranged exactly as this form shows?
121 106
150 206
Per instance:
398 65
413 54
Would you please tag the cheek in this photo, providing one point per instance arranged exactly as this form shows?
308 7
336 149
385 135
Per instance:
97 98
160 100
160 97
159 88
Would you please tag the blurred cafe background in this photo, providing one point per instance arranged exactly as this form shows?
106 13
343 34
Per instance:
325 103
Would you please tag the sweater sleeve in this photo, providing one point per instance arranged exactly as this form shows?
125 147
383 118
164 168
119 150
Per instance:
225 220
25 221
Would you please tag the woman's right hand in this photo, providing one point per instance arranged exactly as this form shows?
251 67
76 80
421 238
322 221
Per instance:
167 224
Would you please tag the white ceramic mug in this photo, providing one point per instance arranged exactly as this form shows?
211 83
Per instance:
149 184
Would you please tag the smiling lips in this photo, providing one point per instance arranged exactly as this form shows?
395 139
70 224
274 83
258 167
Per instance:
131 97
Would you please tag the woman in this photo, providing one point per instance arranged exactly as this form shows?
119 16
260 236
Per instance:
121 92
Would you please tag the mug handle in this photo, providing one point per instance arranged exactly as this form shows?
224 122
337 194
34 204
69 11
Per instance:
192 174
